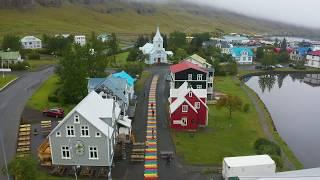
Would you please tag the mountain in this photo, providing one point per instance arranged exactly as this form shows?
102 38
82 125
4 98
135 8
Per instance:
129 19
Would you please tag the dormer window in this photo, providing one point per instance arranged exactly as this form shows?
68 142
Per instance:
190 94
76 119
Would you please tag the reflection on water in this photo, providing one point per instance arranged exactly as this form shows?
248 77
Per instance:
293 101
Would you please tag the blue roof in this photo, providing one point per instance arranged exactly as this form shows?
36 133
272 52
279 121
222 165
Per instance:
303 50
237 51
126 76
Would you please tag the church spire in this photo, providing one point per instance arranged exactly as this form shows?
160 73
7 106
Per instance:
158 36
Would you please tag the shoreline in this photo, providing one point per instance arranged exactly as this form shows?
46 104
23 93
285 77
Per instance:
272 128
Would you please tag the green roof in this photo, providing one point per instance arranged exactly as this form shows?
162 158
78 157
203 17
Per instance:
9 55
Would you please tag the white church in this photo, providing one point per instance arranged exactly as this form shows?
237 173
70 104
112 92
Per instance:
155 51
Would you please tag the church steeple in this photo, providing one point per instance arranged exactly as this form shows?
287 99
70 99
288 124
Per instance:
157 39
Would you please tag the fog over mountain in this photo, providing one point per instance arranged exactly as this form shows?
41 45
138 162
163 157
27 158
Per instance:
297 12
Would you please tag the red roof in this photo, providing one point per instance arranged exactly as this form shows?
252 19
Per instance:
315 53
277 50
184 65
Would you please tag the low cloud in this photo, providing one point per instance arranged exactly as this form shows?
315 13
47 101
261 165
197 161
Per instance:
297 12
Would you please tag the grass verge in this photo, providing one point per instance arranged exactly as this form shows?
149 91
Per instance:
36 64
39 99
6 79
223 137
141 81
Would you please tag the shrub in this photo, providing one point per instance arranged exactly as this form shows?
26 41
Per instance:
264 146
19 66
246 108
278 162
53 98
34 55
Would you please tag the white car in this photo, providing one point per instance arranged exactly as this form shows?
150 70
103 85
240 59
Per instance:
279 66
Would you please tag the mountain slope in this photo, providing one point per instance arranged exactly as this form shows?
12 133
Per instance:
129 19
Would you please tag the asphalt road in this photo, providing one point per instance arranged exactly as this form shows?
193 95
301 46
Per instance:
12 102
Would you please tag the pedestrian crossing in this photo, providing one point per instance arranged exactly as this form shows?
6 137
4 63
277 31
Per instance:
151 158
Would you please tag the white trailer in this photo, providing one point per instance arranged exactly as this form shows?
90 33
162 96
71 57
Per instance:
248 167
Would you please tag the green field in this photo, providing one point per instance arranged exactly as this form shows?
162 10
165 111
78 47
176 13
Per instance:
6 79
125 20
39 99
36 64
141 81
121 58
223 137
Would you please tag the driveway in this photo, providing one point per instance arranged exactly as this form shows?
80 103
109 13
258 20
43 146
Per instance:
12 102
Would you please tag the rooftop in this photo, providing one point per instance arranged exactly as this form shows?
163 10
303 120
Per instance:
315 53
184 65
241 161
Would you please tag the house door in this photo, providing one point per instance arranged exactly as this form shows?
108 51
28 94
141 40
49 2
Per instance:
159 60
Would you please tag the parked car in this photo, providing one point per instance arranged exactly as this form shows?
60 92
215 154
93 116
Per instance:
54 112
292 65
279 66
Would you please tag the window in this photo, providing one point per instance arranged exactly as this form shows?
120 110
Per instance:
76 119
199 77
84 131
98 134
190 94
197 105
70 131
199 86
189 76
184 108
65 152
58 134
184 121
93 152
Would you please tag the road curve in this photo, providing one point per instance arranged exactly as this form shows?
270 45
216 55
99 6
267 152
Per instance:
12 102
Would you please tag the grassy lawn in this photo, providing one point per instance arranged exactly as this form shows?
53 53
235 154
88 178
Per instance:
39 99
6 79
140 83
224 136
36 64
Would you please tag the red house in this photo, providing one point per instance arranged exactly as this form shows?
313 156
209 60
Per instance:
188 109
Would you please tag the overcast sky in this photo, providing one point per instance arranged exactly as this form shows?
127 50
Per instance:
298 12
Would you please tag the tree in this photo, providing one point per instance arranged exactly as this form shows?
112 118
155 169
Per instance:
260 53
113 46
179 55
72 71
141 41
165 41
268 59
276 43
23 168
284 45
11 42
232 103
283 57
177 40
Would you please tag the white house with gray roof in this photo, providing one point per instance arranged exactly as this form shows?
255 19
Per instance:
31 42
86 136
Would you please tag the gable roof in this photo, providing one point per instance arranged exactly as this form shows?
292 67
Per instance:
183 90
315 53
9 55
147 48
277 50
30 38
125 75
94 108
184 65
116 85
255 160
93 83
178 102
237 51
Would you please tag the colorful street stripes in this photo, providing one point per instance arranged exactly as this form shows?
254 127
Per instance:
151 158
